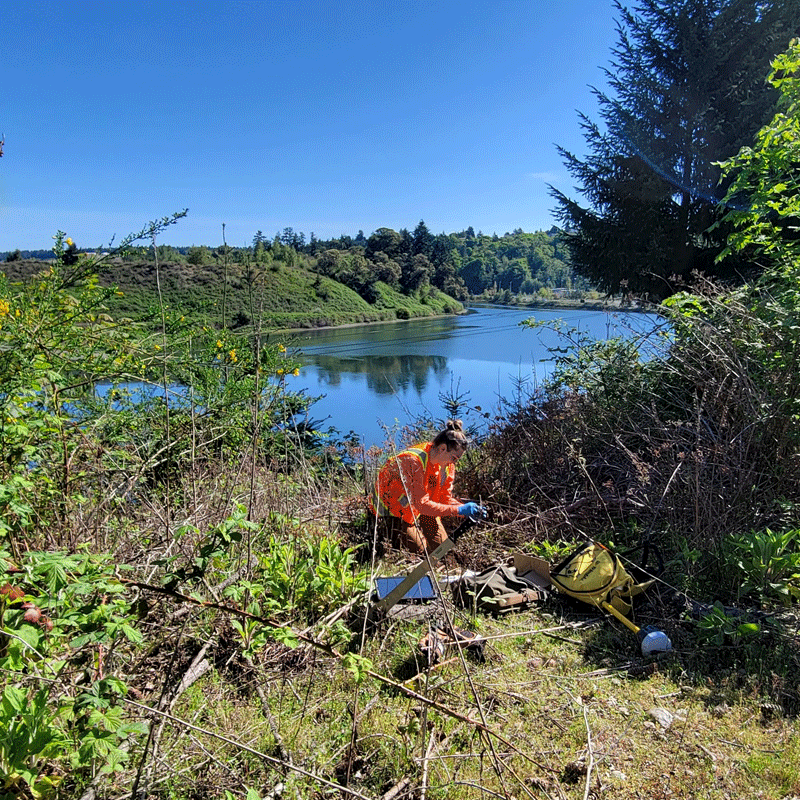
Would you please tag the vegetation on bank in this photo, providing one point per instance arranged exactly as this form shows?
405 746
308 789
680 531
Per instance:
279 297
186 576
288 282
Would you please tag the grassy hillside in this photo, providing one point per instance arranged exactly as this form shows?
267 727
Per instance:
278 296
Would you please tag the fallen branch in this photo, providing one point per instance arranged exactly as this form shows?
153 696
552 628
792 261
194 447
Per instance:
396 789
572 626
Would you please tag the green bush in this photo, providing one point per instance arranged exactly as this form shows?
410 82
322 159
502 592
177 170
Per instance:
766 563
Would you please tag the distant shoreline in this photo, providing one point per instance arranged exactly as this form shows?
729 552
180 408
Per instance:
374 322
549 305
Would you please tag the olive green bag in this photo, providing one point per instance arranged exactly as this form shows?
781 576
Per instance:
496 590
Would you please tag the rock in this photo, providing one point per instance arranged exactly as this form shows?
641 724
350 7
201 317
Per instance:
663 717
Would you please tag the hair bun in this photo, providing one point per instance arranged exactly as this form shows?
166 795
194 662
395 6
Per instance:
452 435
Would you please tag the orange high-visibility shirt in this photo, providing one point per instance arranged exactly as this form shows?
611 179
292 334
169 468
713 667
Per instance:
409 485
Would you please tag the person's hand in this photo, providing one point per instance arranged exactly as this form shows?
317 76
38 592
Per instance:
473 511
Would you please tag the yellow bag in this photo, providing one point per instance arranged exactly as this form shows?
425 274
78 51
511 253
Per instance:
595 575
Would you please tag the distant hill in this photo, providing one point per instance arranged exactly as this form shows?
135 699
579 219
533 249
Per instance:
274 297
291 281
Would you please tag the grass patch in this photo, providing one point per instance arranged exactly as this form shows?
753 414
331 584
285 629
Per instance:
538 717
275 297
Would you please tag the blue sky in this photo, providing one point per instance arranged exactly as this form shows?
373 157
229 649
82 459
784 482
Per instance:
331 116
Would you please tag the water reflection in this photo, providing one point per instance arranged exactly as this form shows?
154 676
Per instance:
384 375
372 376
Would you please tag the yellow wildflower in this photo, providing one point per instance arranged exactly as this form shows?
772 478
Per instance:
280 372
4 308
296 372
68 240
219 344
232 355
281 348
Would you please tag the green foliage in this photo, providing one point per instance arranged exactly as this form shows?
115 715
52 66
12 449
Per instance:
764 193
767 563
250 794
308 576
303 577
211 549
88 610
199 255
358 665
261 295
551 551
686 91
284 284
719 626
419 304
607 371
98 727
56 341
515 262
28 735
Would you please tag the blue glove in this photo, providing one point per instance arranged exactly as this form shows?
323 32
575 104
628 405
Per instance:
473 511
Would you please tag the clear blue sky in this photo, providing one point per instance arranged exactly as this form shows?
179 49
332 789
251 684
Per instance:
331 116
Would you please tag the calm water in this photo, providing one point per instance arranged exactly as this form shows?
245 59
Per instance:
375 378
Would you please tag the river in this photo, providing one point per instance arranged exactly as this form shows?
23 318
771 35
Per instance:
374 379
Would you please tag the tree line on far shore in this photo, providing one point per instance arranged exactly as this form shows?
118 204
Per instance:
459 264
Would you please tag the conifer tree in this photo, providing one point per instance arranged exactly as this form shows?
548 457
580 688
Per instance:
423 241
687 91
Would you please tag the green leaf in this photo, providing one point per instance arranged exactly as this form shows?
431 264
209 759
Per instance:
14 700
749 629
286 636
358 665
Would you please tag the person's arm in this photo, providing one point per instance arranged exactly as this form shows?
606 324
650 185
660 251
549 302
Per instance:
414 481
466 508
448 488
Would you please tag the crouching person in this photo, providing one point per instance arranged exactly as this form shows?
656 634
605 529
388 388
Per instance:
414 490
